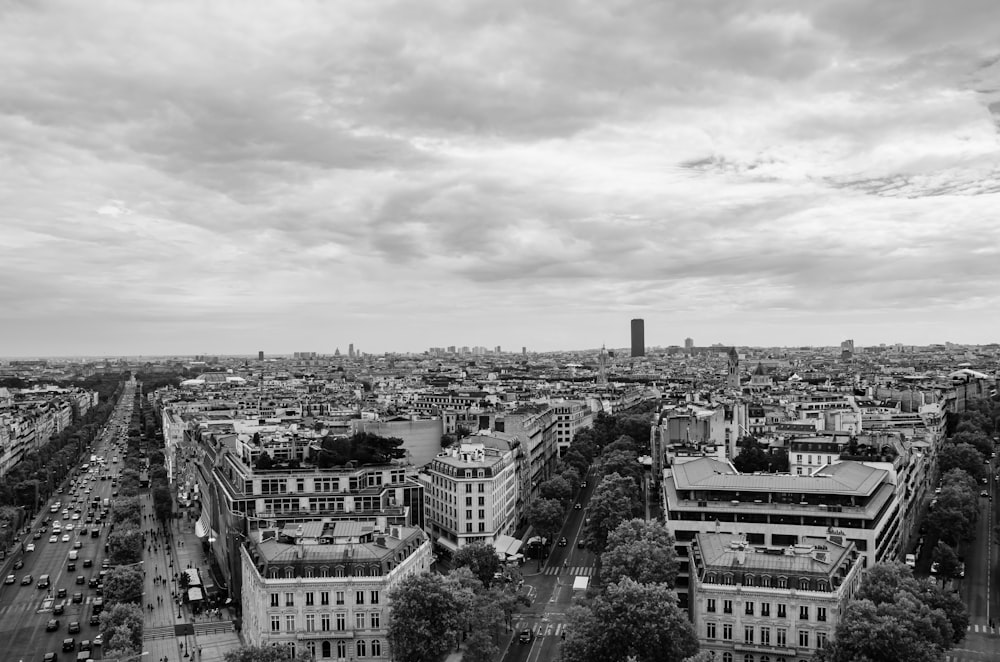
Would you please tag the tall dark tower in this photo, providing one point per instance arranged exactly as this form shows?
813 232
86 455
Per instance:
638 337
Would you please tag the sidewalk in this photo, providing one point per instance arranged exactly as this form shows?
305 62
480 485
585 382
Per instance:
201 637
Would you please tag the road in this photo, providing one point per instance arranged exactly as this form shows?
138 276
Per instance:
22 618
551 586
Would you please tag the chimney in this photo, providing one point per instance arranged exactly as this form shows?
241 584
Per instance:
741 556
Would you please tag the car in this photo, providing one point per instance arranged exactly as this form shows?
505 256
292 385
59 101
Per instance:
77 598
10 579
581 544
99 640
27 580
93 582
77 544
30 547
583 484
81 580
105 564
61 593
53 538
18 564
934 567
562 541
961 569
85 645
76 516
986 481
525 636
59 609
577 506
52 625
69 644
69 526
65 537
70 567
74 627
49 657
88 563
36 535
95 619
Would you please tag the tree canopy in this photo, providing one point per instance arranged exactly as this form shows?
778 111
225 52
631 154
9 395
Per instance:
630 620
754 457
961 456
895 616
641 551
481 558
124 584
424 617
614 501
363 448
545 516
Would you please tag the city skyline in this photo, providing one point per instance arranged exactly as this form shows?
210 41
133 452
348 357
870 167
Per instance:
300 176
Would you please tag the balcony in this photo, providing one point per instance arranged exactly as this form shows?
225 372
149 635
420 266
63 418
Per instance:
766 650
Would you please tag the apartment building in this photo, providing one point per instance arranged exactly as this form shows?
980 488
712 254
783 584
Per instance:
760 603
323 587
780 510
571 417
471 492
689 430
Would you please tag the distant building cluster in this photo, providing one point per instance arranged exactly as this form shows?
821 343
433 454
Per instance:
30 417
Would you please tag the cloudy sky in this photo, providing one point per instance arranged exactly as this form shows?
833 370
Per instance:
211 177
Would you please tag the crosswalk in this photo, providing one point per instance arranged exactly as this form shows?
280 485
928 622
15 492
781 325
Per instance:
574 570
540 629
983 629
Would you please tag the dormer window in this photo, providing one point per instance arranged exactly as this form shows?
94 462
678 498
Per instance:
289 573
748 580
727 579
324 571
803 584
782 582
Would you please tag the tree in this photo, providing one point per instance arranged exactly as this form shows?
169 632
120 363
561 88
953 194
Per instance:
972 435
363 448
614 501
754 457
121 624
480 646
263 654
946 558
546 517
125 545
480 558
577 461
558 489
621 462
126 511
641 551
895 616
124 584
961 456
163 503
641 621
423 618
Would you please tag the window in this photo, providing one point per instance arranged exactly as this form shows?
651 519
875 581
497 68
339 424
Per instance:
781 611
803 584
324 598
468 487
781 637
359 620
765 609
747 657
311 647
804 638
710 630
374 597
326 649
711 606
340 598
765 636
482 487
482 501
804 613
341 622
373 620
376 648
290 622
820 613
324 620
274 599
468 514
275 624
727 631
748 634
782 582
341 648
310 622
359 598
727 657
360 647
748 608
468 501
289 599
798 459
820 639
727 606
310 599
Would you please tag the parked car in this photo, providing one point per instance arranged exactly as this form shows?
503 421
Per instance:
30 547
27 580
52 625
10 579
69 644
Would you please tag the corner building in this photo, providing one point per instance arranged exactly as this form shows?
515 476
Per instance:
759 603
324 587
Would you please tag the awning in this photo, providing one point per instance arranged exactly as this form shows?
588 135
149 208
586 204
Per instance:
194 593
194 577
202 526
507 546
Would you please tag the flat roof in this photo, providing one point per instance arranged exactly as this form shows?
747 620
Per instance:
841 478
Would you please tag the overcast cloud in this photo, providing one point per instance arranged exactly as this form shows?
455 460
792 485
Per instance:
188 177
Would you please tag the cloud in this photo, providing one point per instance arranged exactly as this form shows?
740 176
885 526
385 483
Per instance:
306 174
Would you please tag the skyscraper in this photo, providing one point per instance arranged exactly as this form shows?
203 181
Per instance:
638 338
